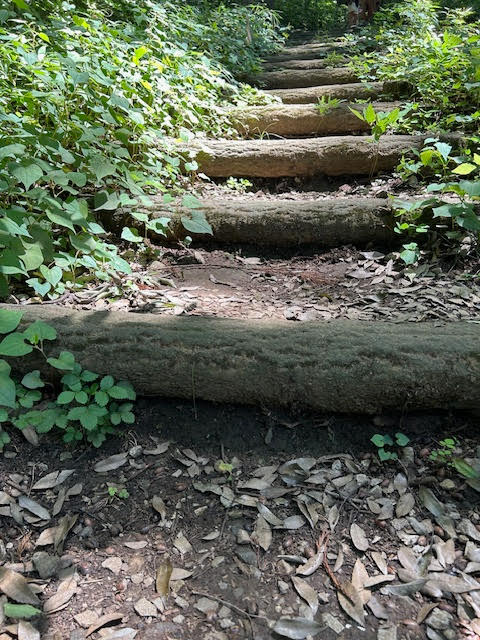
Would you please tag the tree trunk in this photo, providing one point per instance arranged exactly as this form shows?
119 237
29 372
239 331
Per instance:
311 95
343 365
301 120
297 78
332 156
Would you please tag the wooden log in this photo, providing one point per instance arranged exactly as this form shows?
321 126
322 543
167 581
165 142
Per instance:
344 365
298 78
304 65
311 95
289 223
332 156
301 120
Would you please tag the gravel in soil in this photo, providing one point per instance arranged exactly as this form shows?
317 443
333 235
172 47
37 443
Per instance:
226 522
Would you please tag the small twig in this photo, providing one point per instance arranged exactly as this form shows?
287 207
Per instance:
229 604
140 471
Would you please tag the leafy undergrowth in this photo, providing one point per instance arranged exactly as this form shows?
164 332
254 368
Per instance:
429 54
90 95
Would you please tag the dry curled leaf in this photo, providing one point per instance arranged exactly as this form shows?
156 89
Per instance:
111 463
297 628
103 621
162 579
306 592
404 505
351 602
359 538
66 590
16 587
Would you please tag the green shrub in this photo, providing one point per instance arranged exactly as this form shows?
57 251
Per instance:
91 95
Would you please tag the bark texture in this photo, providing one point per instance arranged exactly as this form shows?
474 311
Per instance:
311 95
296 78
287 223
346 366
305 65
332 156
301 120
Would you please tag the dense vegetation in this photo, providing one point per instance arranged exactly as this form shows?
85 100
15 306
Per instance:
90 93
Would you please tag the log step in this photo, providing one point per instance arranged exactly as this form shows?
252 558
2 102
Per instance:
290 223
299 78
301 120
331 156
304 65
344 366
311 95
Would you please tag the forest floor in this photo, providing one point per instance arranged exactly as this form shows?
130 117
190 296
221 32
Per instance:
262 516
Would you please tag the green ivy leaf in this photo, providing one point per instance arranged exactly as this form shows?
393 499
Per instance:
65 361
65 397
107 383
401 439
197 223
7 391
9 320
378 440
39 331
14 345
32 380
27 174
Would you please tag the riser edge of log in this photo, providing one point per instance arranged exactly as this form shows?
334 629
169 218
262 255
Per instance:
341 366
330 156
302 120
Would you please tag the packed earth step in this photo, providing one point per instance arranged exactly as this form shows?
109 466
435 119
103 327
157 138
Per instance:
331 156
302 120
344 366
311 95
300 78
292 223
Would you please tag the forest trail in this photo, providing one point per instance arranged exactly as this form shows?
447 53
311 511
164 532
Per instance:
298 274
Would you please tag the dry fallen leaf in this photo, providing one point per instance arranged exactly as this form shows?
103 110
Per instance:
26 631
111 463
297 628
162 579
351 602
53 479
404 505
359 538
103 621
262 534
34 507
16 587
159 505
306 592
66 590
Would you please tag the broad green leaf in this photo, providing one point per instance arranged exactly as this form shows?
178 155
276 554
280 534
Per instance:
369 114
12 150
464 169
190 201
197 223
102 167
378 440
119 393
401 439
27 173
444 149
107 383
9 320
64 362
20 611
101 398
39 331
42 288
7 391
65 397
472 189
131 235
14 345
32 380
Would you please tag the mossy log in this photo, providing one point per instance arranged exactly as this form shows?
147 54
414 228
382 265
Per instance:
291 120
296 78
332 156
290 223
343 366
311 95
